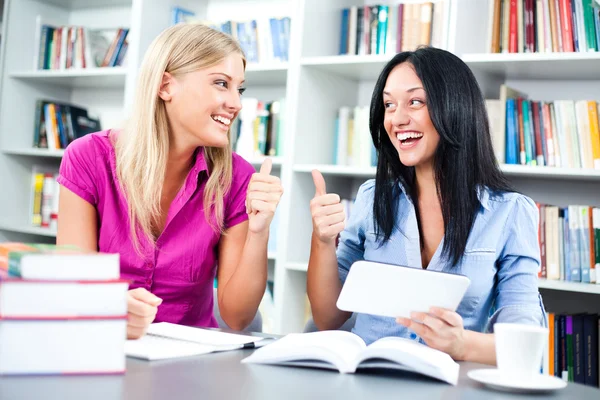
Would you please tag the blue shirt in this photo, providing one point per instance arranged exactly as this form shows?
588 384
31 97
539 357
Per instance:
501 259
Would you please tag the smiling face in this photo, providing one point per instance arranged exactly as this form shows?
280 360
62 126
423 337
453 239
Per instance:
201 105
406 118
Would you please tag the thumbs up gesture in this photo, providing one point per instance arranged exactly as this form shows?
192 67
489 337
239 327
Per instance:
327 212
264 192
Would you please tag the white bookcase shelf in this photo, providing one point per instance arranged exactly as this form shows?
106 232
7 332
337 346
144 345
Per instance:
31 230
354 67
83 4
569 286
113 77
552 173
33 152
339 170
257 162
297 266
538 66
272 74
522 171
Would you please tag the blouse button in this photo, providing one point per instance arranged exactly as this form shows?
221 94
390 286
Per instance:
413 336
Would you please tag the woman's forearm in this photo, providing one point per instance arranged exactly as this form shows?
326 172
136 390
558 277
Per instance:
324 286
246 287
480 348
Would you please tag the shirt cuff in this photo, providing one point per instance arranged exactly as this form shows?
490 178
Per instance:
529 314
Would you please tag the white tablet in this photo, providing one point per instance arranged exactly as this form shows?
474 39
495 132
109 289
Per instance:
395 291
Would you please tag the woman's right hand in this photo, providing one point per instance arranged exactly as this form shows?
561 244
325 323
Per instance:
141 311
327 212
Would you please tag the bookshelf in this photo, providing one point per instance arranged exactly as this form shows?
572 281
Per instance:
315 81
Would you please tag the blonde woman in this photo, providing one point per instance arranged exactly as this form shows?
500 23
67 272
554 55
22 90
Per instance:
168 194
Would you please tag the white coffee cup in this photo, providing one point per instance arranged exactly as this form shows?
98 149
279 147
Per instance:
520 349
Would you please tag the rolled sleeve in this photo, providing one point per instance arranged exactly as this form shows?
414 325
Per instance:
78 169
517 298
351 246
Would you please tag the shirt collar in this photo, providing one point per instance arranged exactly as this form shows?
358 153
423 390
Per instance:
200 161
483 195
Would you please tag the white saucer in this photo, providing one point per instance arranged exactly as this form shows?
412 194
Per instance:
494 379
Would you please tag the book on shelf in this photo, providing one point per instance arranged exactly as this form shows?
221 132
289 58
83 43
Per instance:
259 128
58 124
569 243
543 26
264 39
347 353
44 198
390 29
573 350
353 145
560 133
61 47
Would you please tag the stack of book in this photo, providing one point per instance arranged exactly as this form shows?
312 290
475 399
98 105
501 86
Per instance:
62 311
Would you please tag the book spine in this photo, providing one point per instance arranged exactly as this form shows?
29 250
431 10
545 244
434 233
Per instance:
578 349
570 348
590 344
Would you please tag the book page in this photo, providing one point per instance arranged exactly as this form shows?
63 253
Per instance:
199 335
412 356
338 348
151 347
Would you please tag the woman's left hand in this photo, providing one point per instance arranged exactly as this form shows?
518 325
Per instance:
264 192
441 329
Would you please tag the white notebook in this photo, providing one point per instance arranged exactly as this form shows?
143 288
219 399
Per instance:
165 340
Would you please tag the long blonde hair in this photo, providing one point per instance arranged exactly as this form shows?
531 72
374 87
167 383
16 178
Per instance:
142 148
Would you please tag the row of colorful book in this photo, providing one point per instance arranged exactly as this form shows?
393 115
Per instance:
62 311
389 29
58 124
44 198
569 243
66 46
259 129
353 145
262 40
543 26
561 133
573 348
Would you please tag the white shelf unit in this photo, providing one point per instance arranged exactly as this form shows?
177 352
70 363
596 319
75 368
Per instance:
106 92
316 82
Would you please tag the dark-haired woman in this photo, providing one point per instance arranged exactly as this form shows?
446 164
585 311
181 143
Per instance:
440 202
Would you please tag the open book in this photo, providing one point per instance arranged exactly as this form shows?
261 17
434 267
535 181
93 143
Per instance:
346 352
165 340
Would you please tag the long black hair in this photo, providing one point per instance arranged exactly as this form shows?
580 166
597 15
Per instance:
464 160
